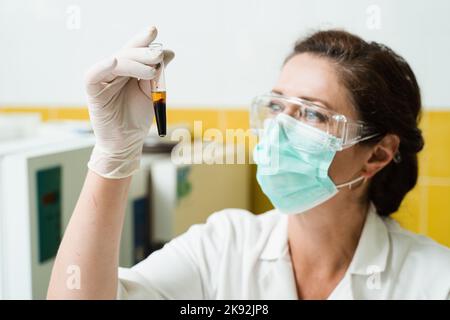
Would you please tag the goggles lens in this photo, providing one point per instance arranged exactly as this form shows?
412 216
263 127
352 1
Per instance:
307 114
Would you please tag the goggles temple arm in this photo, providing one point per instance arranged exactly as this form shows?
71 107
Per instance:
355 133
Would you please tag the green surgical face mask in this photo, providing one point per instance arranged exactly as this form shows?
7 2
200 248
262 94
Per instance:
294 174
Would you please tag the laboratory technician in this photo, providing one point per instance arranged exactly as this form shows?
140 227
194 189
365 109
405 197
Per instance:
337 154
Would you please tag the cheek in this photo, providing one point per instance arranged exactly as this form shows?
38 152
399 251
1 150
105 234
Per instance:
345 165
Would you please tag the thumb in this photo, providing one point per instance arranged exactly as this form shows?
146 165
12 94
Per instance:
146 87
168 56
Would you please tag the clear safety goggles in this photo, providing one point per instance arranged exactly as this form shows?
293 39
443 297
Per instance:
319 119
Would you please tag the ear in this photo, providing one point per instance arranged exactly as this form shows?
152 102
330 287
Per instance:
381 155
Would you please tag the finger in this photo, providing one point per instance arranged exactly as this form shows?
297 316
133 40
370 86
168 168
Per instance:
142 55
134 69
143 39
168 56
100 71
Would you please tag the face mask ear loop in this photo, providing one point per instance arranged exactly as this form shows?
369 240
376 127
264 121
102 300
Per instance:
364 179
351 183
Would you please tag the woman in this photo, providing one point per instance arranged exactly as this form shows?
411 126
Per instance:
338 153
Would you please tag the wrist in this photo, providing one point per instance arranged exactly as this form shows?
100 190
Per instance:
115 165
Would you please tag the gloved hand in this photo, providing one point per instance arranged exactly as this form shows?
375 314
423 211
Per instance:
120 105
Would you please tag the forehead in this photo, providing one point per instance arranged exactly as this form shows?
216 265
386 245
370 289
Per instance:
314 78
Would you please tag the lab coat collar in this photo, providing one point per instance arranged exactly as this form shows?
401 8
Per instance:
276 246
371 253
373 247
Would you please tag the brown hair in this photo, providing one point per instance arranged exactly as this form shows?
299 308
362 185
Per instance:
385 93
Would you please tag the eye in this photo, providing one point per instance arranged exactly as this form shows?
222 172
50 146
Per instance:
313 116
275 107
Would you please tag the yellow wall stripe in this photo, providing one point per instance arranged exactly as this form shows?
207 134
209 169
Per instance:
426 209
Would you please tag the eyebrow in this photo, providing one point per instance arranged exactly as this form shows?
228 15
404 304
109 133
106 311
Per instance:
310 99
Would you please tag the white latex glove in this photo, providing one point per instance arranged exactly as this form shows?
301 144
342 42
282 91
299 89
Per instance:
120 105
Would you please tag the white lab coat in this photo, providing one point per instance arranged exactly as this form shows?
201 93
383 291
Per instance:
238 255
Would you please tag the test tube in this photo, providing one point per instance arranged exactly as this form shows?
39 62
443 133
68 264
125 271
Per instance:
158 86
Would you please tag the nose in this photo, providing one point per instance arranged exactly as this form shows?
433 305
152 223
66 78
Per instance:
292 110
